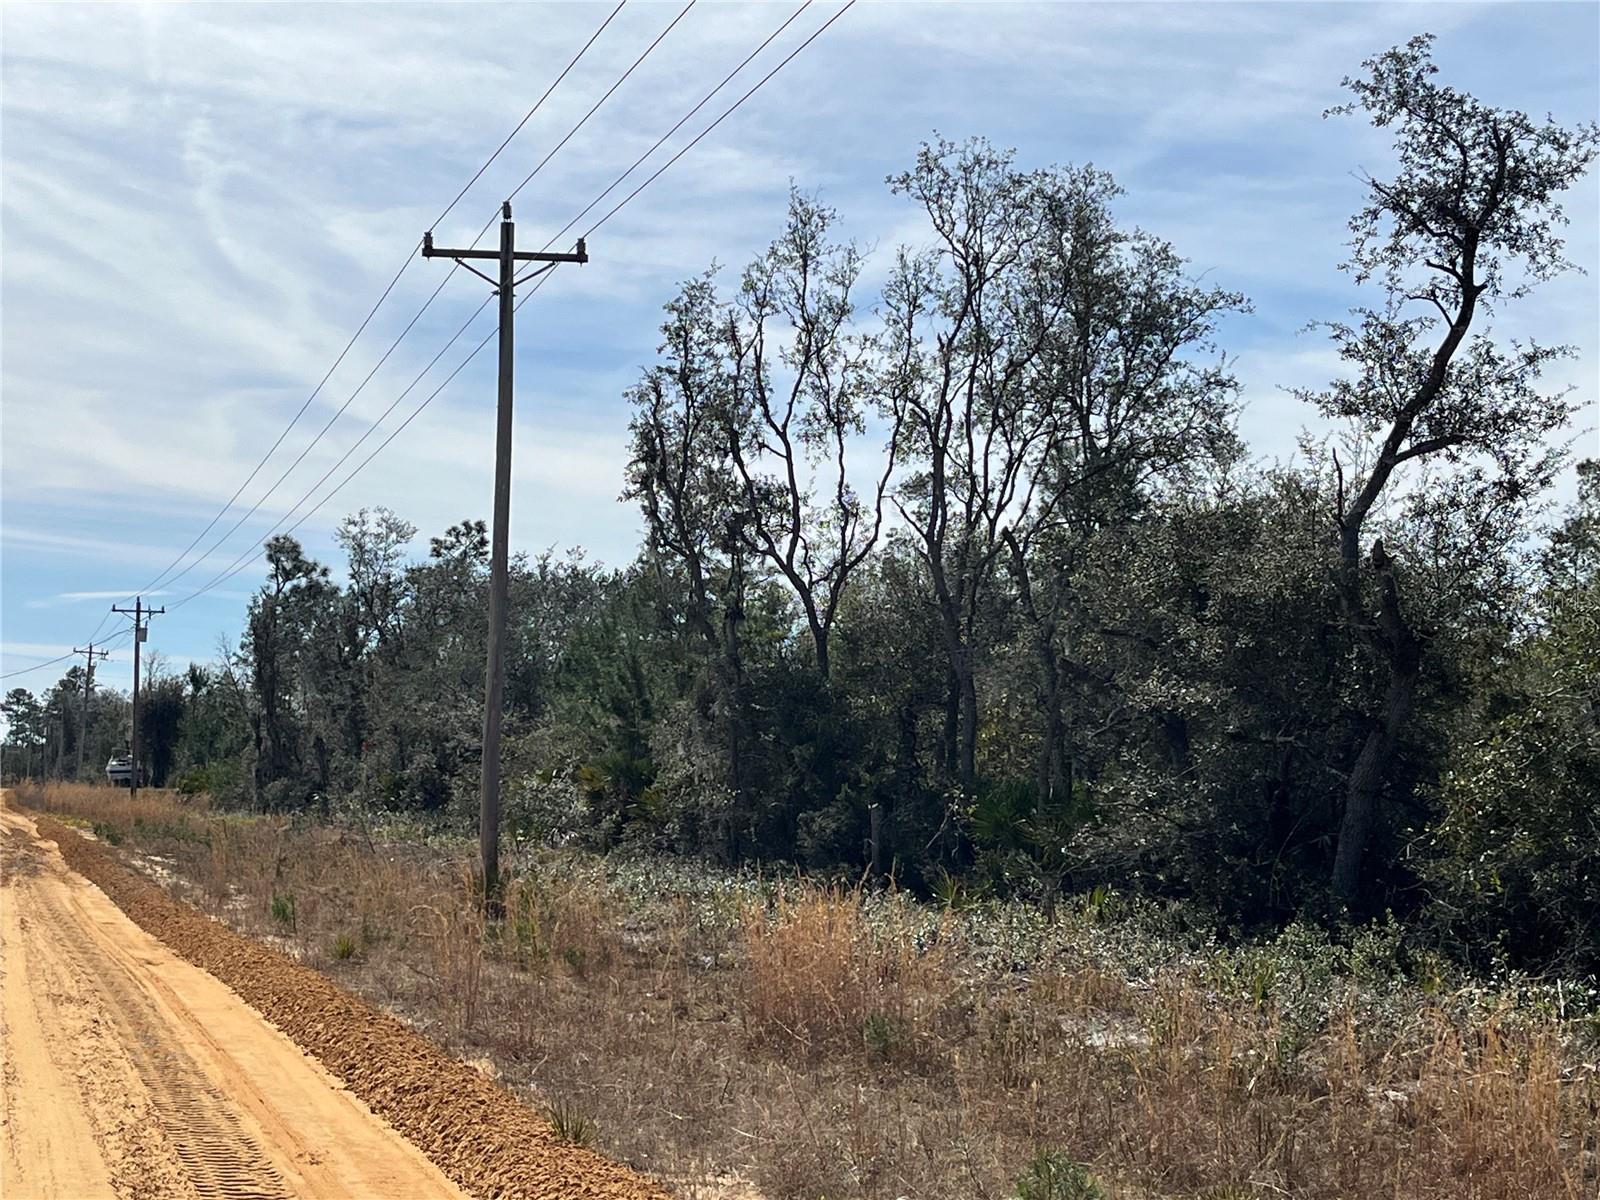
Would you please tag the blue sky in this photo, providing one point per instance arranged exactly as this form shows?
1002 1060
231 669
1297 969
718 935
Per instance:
199 204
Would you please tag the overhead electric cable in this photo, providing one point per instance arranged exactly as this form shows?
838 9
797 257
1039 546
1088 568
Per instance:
682 121
36 666
479 173
240 564
367 320
237 563
293 421
300 458
581 120
53 661
551 154
728 112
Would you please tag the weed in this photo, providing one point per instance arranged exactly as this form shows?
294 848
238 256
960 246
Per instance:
283 909
882 1035
816 970
1053 1176
107 832
571 1124
344 947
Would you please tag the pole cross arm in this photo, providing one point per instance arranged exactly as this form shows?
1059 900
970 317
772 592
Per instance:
429 250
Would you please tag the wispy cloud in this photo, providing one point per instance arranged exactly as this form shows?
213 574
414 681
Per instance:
78 597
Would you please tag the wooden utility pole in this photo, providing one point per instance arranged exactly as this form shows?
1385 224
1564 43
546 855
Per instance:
508 257
141 619
88 690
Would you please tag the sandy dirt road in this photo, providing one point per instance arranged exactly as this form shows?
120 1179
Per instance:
128 1072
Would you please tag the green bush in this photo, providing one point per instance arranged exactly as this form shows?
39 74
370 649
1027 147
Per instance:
1053 1176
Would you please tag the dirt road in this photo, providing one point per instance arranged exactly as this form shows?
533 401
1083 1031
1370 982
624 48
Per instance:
129 1072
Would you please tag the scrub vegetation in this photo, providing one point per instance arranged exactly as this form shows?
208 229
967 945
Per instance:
824 1039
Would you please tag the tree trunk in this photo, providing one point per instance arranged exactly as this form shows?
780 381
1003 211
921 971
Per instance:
1052 723
732 697
952 721
968 767
1367 778
1366 785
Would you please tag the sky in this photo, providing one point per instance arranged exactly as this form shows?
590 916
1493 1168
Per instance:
199 205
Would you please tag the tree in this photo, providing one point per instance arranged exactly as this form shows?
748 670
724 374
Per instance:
783 436
1515 864
374 542
25 730
1136 399
969 323
280 622
1475 196
681 475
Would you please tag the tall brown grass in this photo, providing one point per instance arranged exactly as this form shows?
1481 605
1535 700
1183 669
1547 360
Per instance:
816 978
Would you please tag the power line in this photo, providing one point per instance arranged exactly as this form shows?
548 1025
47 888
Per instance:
309 446
240 564
726 114
659 38
234 567
52 662
254 508
293 421
38 666
682 121
367 320
478 174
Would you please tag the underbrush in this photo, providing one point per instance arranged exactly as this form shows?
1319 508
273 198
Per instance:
818 1040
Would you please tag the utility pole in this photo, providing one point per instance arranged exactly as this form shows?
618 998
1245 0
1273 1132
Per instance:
88 690
141 620
505 287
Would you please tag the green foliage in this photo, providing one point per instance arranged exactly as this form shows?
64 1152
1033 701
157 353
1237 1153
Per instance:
1515 854
282 909
344 947
1053 1176
883 1035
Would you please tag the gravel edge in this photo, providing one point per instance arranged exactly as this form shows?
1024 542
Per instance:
480 1135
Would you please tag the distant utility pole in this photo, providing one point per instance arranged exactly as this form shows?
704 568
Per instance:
141 622
88 690
489 794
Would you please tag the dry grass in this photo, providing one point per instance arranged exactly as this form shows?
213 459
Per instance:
816 1041
816 979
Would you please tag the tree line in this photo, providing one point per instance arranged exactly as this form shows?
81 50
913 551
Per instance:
973 582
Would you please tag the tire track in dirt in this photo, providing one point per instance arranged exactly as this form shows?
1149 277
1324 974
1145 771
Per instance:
477 1133
220 1160
131 1074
